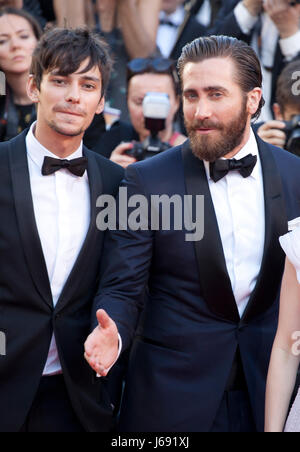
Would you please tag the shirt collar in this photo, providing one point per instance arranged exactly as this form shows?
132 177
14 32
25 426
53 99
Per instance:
249 148
37 152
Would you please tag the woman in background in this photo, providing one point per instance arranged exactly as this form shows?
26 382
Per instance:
285 358
19 34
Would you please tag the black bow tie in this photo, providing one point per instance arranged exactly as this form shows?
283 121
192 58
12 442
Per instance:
220 168
75 166
167 22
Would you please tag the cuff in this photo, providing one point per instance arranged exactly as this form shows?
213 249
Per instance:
244 19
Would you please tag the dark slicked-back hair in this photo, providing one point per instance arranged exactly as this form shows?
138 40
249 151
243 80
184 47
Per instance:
248 70
65 49
285 93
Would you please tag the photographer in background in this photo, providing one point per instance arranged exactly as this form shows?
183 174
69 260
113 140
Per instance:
144 75
286 108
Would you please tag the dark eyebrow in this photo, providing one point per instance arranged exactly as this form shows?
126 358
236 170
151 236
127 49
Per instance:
91 78
83 77
207 89
216 88
19 31
189 90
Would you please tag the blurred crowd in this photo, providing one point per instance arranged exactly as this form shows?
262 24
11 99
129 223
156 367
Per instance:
146 38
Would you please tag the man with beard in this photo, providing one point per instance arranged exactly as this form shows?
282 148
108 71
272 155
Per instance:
200 356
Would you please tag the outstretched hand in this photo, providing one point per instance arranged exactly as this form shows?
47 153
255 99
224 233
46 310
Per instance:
101 346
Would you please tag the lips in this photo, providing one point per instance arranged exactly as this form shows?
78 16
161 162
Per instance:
18 58
205 128
72 113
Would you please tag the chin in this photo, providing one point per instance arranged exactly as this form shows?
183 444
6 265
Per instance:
19 69
67 131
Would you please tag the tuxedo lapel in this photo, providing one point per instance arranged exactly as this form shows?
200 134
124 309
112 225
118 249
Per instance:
214 278
276 223
90 243
26 218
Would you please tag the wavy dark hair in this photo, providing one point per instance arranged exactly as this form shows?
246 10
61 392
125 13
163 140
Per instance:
22 13
248 72
65 49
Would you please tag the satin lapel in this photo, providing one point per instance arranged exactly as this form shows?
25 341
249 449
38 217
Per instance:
214 278
276 222
26 218
88 248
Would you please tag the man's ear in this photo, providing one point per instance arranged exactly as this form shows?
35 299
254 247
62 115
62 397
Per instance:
32 90
277 112
101 105
254 98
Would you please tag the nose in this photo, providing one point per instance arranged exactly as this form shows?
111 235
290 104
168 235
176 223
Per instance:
15 42
203 110
73 93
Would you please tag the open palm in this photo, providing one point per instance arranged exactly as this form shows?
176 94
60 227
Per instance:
101 346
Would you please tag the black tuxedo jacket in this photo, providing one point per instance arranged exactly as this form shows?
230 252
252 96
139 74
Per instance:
190 329
226 24
27 316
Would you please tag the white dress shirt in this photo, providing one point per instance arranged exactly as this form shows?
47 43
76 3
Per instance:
269 38
61 204
240 212
166 34
62 211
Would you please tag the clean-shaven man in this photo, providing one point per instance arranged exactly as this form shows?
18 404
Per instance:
50 247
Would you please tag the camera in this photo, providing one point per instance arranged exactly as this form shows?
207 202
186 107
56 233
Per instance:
156 107
292 131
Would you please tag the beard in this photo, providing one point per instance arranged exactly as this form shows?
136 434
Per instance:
208 148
